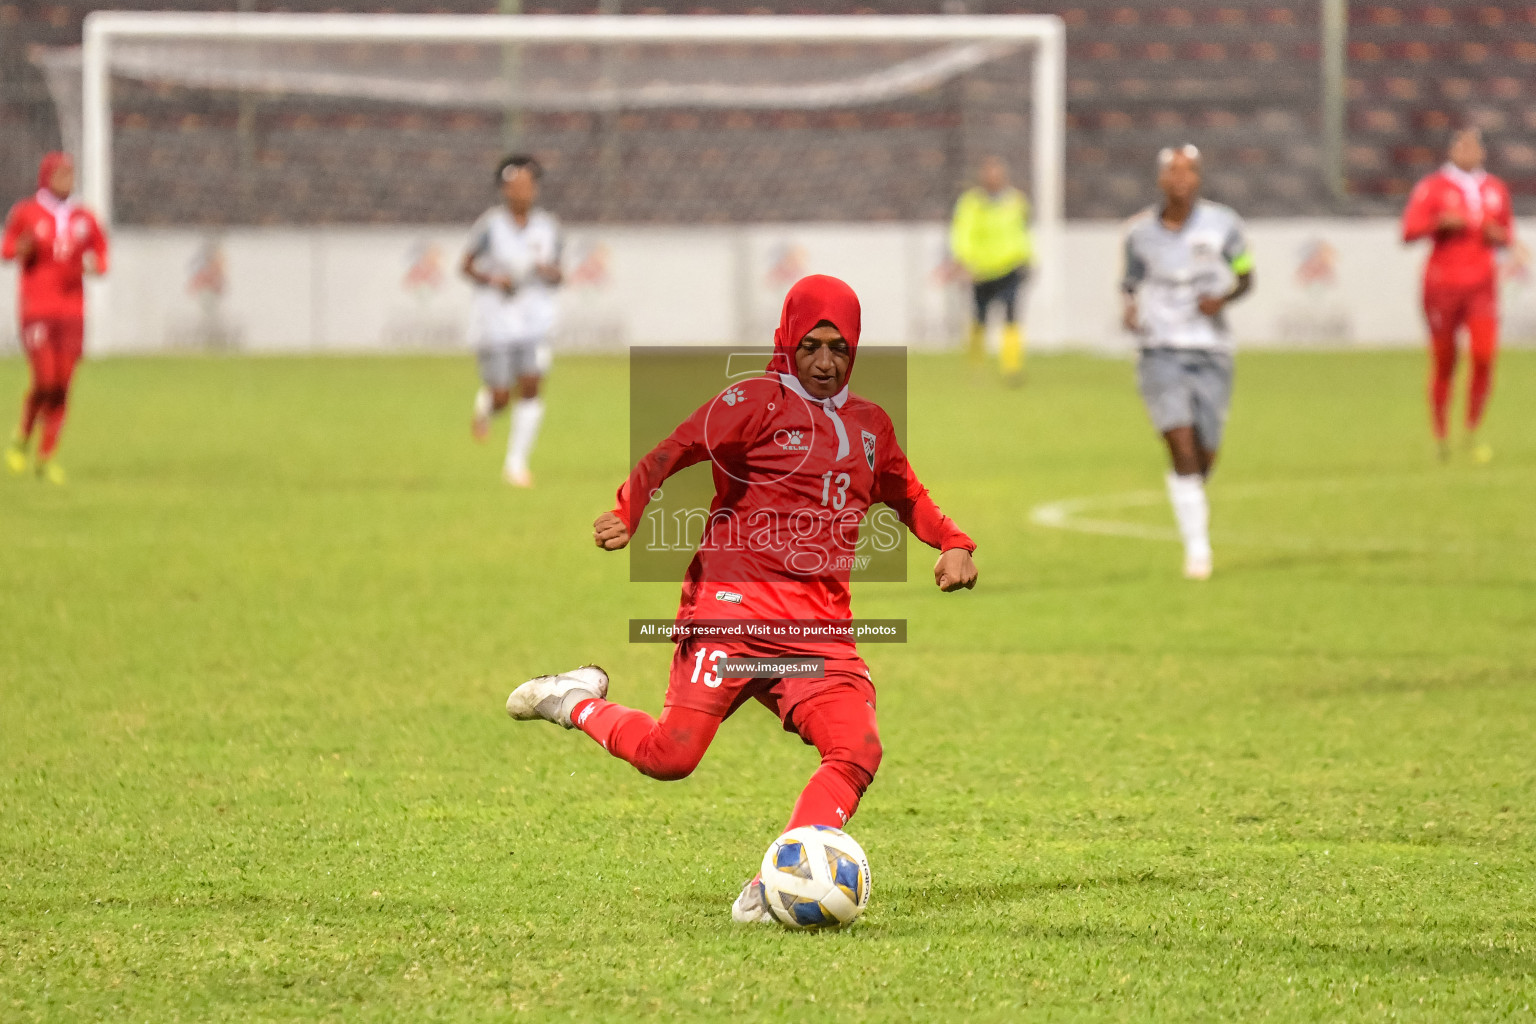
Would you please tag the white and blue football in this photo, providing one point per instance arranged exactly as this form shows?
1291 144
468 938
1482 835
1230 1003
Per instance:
815 876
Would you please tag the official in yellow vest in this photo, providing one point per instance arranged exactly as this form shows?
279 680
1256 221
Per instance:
989 237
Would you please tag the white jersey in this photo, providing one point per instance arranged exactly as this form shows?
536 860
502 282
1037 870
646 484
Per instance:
499 246
1169 271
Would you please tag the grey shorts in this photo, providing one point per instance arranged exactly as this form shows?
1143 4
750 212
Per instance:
502 365
1187 388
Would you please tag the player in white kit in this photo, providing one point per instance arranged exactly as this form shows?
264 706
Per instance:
514 260
1186 259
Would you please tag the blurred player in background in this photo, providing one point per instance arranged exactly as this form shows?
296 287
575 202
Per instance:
1466 211
989 237
514 260
797 461
1185 259
56 242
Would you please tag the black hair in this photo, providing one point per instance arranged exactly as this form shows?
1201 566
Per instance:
517 162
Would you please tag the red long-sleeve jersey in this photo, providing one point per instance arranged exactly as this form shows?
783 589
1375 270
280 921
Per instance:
53 273
795 477
1461 257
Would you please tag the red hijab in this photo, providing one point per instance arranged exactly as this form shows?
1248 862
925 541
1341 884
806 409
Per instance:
50 163
812 300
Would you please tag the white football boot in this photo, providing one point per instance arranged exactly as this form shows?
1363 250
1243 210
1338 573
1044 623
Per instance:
552 697
751 907
1197 567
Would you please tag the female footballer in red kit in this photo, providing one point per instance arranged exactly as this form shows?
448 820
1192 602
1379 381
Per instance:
797 461
1466 213
56 242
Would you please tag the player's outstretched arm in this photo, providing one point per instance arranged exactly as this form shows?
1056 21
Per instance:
685 447
609 532
899 487
955 570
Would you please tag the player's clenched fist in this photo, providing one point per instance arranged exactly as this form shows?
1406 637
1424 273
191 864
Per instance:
955 570
609 532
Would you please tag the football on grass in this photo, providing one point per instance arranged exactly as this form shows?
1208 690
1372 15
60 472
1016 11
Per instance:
815 876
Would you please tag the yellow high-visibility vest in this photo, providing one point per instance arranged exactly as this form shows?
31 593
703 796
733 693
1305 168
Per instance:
989 235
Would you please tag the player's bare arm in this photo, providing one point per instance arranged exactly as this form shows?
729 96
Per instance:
1213 304
1128 313
955 570
472 271
550 273
609 532
1495 233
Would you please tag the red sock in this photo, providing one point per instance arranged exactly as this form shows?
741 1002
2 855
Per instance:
1443 369
53 422
1484 341
1477 393
30 407
599 718
668 749
830 798
840 724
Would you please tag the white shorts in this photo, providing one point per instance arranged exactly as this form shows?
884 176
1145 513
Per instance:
501 366
1187 388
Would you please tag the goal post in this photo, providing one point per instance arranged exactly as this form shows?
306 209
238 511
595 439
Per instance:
865 62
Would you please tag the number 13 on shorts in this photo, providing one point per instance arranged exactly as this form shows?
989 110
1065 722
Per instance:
710 679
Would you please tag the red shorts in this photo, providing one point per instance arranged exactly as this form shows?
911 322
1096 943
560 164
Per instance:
53 346
1449 307
694 685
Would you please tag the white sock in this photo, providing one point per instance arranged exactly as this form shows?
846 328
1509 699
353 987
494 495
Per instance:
1193 513
526 417
484 403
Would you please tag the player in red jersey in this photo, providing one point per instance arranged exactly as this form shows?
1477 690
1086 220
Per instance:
798 461
57 243
1466 211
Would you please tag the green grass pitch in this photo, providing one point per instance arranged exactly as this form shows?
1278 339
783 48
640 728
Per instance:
254 764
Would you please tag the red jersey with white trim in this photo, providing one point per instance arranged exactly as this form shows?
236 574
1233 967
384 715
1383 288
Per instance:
795 477
53 275
1462 257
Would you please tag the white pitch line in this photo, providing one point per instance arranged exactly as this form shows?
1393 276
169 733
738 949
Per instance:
1068 514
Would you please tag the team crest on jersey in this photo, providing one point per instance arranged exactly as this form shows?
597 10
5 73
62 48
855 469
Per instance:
869 447
733 395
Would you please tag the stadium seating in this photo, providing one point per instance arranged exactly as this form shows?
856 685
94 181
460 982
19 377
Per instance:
1418 69
1240 79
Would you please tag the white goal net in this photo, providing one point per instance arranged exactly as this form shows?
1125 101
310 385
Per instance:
647 126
